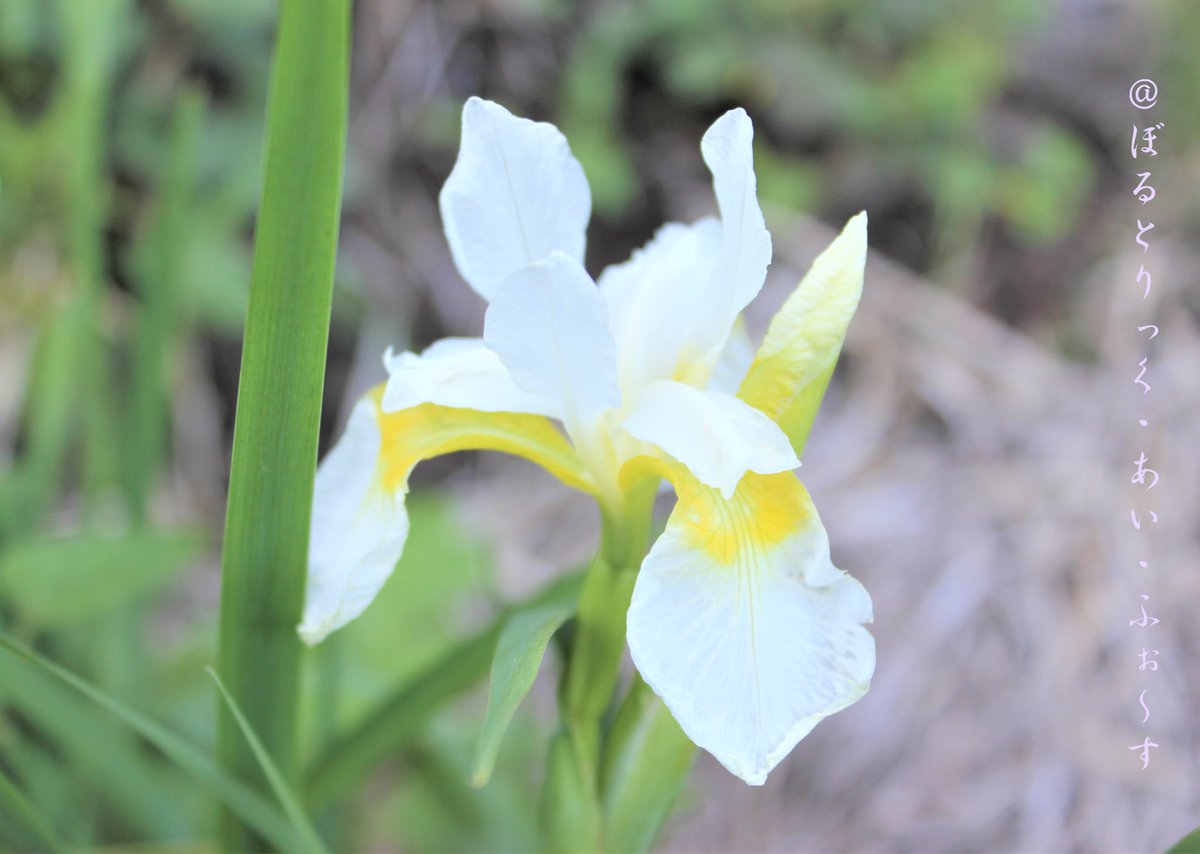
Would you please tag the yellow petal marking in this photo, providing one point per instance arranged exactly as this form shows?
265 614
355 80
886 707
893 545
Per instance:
428 430
764 510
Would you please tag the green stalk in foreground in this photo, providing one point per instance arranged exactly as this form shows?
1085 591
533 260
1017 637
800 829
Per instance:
279 395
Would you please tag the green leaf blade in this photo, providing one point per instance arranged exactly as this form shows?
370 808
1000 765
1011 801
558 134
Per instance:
397 720
519 653
20 824
55 582
264 563
1190 844
291 806
239 798
647 760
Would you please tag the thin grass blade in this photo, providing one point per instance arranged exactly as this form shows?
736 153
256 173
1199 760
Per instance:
20 824
401 717
291 806
239 798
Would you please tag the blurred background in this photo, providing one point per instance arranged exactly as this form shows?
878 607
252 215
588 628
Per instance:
972 462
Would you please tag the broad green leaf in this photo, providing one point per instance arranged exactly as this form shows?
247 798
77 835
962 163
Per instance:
518 657
55 582
280 383
43 782
20 825
291 806
399 718
239 798
646 762
791 369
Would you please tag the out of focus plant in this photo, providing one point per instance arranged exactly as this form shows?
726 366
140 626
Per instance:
903 91
129 171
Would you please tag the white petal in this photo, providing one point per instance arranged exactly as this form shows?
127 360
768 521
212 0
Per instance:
358 529
515 194
548 324
674 303
718 437
734 362
653 297
746 243
749 640
458 372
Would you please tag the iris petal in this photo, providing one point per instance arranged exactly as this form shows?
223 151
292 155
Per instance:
515 195
548 325
718 437
455 372
742 624
359 523
674 303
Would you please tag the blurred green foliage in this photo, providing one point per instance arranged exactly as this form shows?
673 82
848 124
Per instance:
900 95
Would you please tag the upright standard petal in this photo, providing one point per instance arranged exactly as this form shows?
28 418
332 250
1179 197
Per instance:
455 372
548 325
515 195
359 523
745 244
718 437
674 303
792 367
742 624
652 297
735 360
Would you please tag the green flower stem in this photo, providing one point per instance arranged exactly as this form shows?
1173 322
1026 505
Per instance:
599 647
571 816
279 394
646 762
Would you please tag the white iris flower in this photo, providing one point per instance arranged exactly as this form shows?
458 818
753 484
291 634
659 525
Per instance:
739 620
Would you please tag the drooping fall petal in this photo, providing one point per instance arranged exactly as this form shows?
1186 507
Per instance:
359 523
742 624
